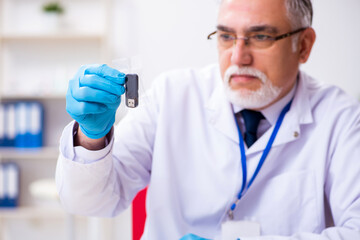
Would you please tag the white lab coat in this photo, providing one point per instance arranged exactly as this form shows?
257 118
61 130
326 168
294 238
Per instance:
183 143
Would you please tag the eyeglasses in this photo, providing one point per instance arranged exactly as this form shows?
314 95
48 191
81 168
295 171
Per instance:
260 41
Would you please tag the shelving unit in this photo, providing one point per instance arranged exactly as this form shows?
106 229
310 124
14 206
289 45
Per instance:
44 153
38 55
51 36
37 59
32 213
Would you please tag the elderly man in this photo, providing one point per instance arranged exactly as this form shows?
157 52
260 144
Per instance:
249 147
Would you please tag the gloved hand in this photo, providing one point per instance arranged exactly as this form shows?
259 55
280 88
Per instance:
92 98
192 237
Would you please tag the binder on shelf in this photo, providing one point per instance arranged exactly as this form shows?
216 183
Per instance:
29 122
9 184
21 121
10 128
2 125
21 124
35 125
2 186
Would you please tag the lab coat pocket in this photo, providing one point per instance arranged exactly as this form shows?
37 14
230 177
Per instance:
285 204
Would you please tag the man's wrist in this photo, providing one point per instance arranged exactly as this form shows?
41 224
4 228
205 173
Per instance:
80 139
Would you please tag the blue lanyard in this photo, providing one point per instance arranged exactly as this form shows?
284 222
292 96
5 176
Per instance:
245 186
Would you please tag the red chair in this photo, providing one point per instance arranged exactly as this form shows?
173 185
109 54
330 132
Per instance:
138 214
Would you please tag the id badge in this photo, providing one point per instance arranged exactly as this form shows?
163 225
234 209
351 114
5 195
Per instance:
238 229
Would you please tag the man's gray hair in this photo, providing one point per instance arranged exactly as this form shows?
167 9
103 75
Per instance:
300 13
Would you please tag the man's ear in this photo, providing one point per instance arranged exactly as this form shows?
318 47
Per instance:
306 42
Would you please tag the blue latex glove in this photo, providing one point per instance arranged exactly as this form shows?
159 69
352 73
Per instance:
92 98
192 237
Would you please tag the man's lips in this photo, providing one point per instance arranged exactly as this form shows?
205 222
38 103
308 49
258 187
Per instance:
238 79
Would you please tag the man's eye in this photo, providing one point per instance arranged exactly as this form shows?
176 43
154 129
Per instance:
226 37
261 37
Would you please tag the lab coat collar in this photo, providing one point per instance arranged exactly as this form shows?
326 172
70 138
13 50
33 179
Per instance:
220 111
299 114
221 116
273 112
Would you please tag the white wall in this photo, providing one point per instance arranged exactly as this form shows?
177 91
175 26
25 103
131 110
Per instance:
336 54
171 34
166 34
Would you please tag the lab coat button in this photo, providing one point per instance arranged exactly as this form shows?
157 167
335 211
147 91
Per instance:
296 134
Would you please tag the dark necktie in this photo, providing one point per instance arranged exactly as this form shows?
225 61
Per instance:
252 120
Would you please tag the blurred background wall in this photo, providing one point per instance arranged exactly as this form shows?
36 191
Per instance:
172 34
39 54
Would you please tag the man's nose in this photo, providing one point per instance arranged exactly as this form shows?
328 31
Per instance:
241 54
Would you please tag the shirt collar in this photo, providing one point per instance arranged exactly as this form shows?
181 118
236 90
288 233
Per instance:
272 112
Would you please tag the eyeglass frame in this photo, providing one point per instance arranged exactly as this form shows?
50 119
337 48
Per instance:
274 39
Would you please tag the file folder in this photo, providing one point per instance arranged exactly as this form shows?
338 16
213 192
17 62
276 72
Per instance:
2 125
35 125
21 122
10 128
9 184
29 122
